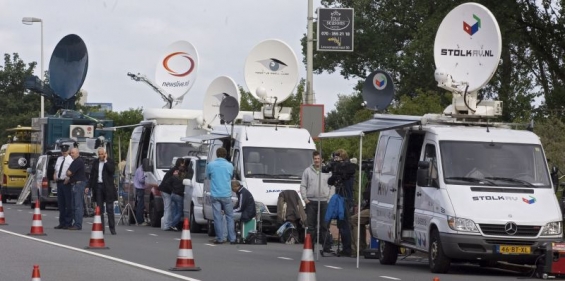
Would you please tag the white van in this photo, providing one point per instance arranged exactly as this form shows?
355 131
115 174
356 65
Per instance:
267 159
461 191
157 138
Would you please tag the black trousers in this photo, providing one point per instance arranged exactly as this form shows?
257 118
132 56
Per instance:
101 198
312 221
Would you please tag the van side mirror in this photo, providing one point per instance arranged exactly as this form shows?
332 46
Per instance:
555 177
423 174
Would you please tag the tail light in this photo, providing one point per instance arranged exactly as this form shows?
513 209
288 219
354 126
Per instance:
44 183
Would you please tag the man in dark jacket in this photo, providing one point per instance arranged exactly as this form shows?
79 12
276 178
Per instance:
101 183
245 203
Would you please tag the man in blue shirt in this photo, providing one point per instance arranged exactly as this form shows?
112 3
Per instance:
220 172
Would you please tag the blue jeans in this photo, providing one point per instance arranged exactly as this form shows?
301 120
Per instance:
166 220
78 196
64 201
219 204
176 208
139 205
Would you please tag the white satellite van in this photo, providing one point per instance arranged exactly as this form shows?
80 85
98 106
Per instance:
157 138
267 159
458 185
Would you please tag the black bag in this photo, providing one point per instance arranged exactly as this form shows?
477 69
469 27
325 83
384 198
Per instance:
256 238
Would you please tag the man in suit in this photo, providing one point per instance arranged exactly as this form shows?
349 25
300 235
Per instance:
102 185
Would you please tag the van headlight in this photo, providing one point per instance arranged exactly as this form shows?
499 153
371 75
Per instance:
552 228
261 208
461 224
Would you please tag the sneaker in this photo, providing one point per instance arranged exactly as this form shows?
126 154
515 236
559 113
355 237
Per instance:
233 243
174 228
59 227
214 241
218 242
145 224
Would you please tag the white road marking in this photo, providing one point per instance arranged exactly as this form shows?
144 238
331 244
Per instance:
104 256
388 277
88 222
153 234
285 258
178 239
334 267
130 230
245 251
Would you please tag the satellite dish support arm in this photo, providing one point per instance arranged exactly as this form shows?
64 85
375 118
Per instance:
167 98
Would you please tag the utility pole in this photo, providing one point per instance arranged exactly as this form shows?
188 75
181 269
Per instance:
309 95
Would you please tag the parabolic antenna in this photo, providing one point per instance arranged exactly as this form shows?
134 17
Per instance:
68 66
468 45
220 88
229 108
272 68
177 68
378 90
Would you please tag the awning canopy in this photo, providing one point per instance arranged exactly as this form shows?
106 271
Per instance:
203 138
378 123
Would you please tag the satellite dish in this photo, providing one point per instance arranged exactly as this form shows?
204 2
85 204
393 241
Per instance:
177 69
229 108
217 91
378 90
271 65
468 45
68 66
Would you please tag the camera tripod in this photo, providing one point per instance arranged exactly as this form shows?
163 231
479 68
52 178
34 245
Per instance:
128 208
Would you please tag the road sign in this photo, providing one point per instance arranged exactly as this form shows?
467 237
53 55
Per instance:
335 29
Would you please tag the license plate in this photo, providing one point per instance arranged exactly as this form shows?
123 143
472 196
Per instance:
514 250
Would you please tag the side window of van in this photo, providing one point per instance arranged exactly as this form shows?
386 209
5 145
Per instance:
390 163
430 156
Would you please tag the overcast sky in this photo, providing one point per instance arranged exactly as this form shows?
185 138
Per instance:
130 35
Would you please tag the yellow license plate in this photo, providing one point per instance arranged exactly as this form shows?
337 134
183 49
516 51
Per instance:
516 250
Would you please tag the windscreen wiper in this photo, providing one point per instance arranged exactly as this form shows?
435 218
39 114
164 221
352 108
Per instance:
287 176
525 183
259 175
470 179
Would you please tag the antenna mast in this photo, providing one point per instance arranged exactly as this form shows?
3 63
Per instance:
169 100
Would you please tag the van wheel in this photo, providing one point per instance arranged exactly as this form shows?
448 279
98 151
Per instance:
439 262
194 227
389 253
42 205
211 230
4 199
154 215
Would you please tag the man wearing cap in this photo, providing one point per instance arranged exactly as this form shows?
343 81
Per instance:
64 193
102 185
76 176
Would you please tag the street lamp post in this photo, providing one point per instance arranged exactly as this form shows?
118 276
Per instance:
30 21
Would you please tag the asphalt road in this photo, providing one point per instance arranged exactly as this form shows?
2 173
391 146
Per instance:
145 253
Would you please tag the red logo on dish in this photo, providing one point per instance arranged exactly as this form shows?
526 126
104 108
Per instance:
173 72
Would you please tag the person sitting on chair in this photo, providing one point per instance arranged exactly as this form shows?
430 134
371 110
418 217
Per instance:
245 208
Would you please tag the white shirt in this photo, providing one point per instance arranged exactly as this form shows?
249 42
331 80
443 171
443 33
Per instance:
68 161
100 167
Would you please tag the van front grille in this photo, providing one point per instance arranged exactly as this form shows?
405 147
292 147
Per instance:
272 209
498 230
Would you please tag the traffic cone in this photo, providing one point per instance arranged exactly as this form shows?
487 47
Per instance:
185 258
436 279
2 219
307 266
36 225
97 235
35 276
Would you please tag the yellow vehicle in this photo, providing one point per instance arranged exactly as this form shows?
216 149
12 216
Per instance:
15 158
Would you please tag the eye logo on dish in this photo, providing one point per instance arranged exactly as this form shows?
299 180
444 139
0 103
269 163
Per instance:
273 64
175 72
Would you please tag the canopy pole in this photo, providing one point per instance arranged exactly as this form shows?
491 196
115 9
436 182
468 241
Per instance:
318 213
359 195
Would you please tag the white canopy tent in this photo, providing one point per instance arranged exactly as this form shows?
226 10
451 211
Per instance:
380 122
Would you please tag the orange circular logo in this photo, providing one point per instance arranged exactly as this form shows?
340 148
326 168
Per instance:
176 73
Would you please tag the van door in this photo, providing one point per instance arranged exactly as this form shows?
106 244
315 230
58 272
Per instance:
425 198
386 181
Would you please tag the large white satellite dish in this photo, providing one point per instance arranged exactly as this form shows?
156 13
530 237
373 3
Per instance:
219 88
177 68
271 69
467 46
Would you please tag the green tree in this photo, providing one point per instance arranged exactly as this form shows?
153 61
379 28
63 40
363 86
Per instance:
17 107
123 135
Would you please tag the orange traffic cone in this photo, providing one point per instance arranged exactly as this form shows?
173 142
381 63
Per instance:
2 219
307 266
36 225
97 235
35 276
185 258
436 279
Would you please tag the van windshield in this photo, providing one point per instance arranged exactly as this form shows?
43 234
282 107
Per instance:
270 162
166 151
496 164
